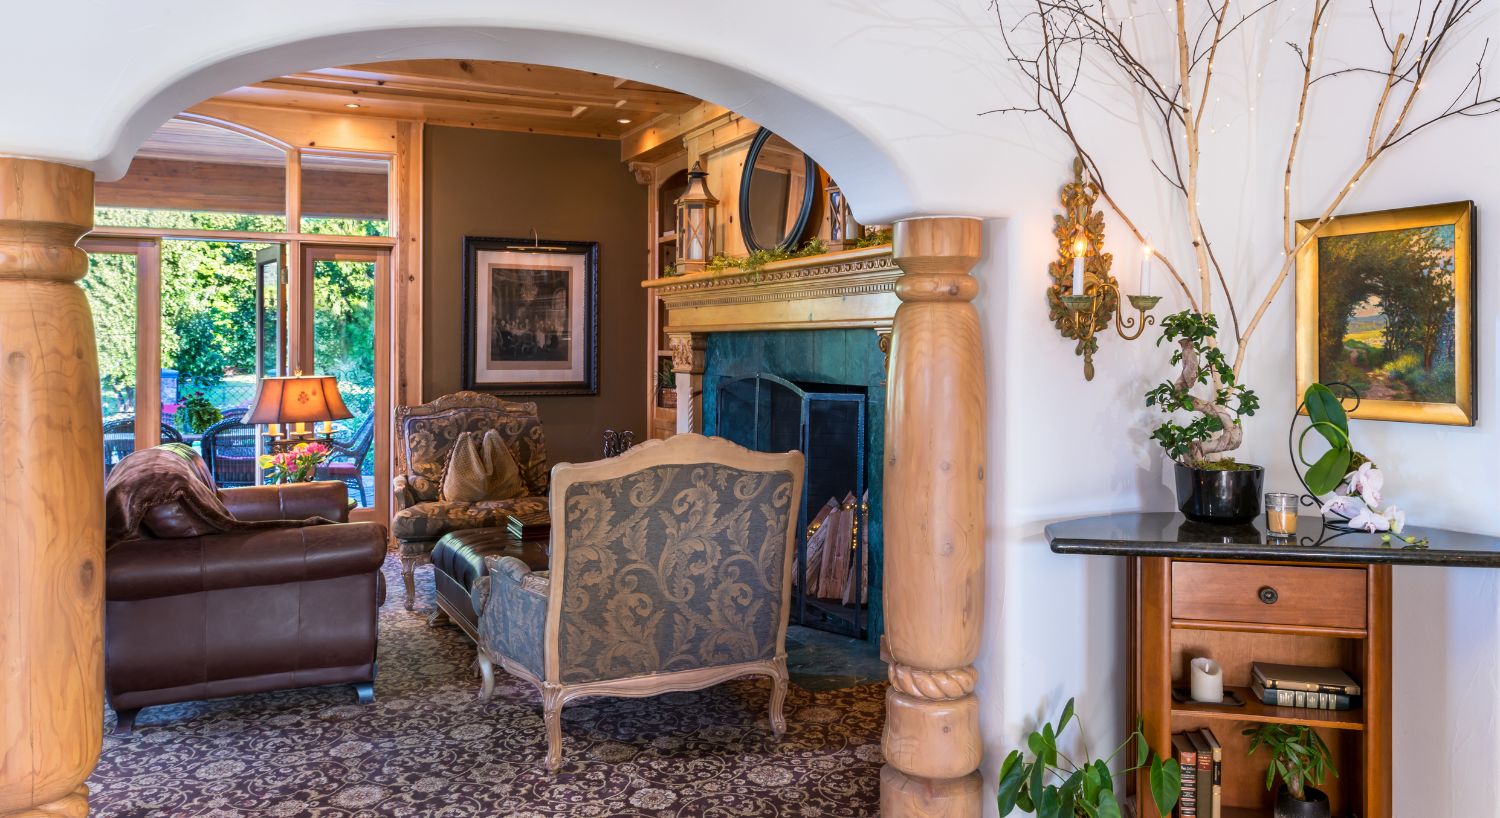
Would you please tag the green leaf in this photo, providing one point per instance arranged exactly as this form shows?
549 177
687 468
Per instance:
1067 716
1324 407
1166 784
1141 748
1326 474
1012 776
1110 808
1049 805
1038 780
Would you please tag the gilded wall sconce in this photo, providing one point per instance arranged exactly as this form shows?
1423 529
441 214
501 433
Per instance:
1083 297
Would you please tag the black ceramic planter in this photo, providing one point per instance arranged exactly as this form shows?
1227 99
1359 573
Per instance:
1289 807
1227 497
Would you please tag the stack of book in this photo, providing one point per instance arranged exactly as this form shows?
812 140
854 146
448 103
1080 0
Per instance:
1202 760
1317 688
532 526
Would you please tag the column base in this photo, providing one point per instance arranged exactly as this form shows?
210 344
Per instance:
72 805
904 796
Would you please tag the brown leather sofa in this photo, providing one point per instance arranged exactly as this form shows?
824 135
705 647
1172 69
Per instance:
216 615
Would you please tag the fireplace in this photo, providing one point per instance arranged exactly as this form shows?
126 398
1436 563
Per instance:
826 422
822 393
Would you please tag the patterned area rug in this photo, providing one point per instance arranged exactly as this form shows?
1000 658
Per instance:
429 747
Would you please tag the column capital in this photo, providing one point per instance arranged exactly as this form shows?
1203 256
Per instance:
688 350
45 208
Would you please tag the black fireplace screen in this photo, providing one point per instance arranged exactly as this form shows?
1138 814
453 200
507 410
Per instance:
827 424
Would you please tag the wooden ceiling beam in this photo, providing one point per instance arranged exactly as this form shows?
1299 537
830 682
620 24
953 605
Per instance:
662 136
519 78
413 87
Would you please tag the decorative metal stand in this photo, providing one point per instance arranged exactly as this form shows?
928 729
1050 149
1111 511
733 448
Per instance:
1337 525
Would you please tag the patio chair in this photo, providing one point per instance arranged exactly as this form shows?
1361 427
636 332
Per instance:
349 456
119 438
229 450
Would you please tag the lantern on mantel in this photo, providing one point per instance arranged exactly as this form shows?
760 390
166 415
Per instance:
696 212
843 231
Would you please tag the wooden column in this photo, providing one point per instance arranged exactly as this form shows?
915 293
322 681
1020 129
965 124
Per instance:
51 496
688 353
934 517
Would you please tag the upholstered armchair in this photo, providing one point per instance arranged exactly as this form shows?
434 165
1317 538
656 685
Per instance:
425 438
671 570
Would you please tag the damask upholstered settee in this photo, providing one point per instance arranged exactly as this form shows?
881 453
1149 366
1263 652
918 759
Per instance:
671 570
425 438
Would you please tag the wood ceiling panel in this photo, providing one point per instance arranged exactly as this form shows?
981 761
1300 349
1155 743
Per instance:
474 93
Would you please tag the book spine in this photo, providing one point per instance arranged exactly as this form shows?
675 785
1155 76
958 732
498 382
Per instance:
1311 687
1187 804
1207 803
1310 700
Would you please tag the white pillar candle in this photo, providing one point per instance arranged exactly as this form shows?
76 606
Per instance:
1207 681
1079 249
1145 269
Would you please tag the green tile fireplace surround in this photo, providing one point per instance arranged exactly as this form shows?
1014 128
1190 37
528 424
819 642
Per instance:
832 357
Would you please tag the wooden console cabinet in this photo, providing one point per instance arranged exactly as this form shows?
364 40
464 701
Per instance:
1239 612
1238 596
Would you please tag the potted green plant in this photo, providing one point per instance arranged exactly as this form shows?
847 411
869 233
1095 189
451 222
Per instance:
1211 488
1300 759
1052 785
197 413
666 383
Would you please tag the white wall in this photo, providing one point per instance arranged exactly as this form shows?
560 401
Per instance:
886 93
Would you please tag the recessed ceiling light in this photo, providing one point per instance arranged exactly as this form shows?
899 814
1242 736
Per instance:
351 105
623 121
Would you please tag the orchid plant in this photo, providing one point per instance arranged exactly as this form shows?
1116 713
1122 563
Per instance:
296 465
1352 478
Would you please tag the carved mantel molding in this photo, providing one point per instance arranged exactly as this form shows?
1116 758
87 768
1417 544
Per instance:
844 290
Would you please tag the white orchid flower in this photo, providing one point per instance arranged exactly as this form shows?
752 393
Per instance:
1367 482
1344 506
1396 518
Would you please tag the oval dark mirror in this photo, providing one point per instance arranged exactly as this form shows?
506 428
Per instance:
776 193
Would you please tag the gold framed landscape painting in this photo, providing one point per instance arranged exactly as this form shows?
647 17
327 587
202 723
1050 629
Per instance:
1385 304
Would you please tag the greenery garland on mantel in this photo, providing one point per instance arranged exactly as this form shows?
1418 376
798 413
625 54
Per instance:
751 264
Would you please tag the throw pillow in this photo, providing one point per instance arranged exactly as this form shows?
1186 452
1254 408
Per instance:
482 469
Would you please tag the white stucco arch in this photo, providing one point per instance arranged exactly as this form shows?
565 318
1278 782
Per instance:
878 99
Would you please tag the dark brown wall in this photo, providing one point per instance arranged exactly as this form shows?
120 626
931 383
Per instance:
491 183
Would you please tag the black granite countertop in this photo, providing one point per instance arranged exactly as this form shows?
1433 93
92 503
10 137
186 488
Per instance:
1168 534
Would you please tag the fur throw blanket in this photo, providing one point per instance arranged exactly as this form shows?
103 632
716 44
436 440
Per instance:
172 474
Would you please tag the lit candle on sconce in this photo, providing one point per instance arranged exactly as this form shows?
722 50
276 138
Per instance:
1146 269
1080 248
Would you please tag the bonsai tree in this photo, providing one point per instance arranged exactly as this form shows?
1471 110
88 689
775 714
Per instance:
1053 785
1219 402
1298 757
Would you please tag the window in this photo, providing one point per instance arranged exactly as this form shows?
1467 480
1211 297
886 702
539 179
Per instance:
345 195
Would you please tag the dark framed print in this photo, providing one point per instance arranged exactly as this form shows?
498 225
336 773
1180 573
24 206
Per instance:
1385 303
531 316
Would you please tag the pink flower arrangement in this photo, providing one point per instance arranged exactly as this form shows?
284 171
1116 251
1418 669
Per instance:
296 465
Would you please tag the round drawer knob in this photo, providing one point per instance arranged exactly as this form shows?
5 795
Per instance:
1268 595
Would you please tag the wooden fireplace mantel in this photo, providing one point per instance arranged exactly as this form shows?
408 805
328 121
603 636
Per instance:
851 289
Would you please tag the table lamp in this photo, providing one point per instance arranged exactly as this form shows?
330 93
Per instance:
291 407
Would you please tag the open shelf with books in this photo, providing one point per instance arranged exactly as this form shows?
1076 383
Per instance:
1255 712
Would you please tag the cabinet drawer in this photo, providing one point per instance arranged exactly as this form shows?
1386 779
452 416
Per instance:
1269 594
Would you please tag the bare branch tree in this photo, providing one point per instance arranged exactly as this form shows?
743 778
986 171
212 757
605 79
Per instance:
1054 42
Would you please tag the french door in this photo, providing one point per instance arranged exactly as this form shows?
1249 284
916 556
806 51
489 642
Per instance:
184 324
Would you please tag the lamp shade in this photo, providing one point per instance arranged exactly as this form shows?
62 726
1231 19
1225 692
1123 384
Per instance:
298 399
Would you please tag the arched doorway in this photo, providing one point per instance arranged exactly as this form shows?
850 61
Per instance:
49 412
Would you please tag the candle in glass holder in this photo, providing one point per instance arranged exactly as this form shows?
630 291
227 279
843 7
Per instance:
1281 513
